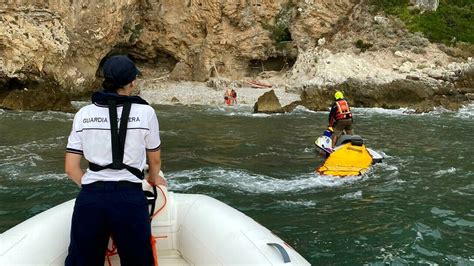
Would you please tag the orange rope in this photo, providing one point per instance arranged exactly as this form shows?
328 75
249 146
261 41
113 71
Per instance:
153 238
164 203
153 248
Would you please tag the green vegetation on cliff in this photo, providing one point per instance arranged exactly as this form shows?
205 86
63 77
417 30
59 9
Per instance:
278 29
453 20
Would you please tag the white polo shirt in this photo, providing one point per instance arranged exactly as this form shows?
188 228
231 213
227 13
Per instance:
90 136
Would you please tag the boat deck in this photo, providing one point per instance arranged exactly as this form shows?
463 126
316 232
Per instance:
165 257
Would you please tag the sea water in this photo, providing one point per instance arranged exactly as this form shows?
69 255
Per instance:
416 207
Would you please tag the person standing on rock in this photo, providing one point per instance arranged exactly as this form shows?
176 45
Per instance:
116 134
340 117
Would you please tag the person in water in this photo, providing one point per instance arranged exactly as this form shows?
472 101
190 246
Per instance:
340 117
233 93
116 134
230 97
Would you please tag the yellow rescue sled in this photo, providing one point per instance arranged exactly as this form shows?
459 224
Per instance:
350 157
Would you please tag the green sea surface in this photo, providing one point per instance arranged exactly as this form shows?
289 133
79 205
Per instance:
416 207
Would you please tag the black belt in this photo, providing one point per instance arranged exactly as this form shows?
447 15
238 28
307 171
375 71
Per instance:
112 185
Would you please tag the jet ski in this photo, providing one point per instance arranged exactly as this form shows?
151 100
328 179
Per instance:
349 157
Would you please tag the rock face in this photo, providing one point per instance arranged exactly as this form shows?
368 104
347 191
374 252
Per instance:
396 94
316 43
315 19
466 80
428 5
225 37
268 103
38 100
61 42
65 41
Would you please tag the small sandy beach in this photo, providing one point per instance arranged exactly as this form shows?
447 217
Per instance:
166 92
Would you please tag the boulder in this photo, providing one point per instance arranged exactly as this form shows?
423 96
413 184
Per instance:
268 103
38 100
426 5
381 20
315 98
181 71
291 107
466 79
174 100
403 93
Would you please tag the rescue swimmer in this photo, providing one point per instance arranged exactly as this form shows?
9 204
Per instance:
116 134
340 117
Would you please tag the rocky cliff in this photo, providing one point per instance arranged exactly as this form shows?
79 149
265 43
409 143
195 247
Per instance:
61 44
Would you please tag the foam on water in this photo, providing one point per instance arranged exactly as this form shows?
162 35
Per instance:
230 110
18 157
467 112
17 160
79 104
437 111
460 260
246 182
247 111
384 169
53 116
25 153
302 109
441 212
168 133
353 195
448 171
38 116
261 115
48 176
381 111
298 203
22 161
465 191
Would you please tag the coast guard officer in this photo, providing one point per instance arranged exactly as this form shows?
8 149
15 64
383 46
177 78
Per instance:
116 134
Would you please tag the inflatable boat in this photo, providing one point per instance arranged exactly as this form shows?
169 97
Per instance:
189 229
350 156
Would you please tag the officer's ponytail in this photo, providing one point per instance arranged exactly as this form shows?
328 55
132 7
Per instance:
110 86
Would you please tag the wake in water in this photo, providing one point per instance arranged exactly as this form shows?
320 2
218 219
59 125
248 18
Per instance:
246 111
48 176
245 182
37 116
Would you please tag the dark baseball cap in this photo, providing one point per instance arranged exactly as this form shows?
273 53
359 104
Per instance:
120 70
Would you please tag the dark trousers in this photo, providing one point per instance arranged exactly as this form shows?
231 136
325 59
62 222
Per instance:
104 209
343 125
339 127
